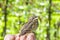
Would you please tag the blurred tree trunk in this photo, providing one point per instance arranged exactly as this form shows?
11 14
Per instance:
5 16
48 28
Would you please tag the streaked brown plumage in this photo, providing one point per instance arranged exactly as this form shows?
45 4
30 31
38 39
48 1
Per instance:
30 26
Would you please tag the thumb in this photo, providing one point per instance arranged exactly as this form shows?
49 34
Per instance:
9 37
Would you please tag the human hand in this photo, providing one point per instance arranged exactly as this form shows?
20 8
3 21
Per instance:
30 36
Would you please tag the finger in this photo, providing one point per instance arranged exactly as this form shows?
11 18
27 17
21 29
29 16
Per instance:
30 36
23 37
9 37
17 37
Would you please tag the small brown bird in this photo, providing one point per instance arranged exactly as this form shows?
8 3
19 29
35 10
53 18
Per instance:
30 26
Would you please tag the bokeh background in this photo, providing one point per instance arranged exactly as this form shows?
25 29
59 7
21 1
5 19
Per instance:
15 13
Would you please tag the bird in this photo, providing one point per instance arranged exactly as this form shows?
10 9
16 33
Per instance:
30 26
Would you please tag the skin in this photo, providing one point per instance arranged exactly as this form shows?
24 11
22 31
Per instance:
29 36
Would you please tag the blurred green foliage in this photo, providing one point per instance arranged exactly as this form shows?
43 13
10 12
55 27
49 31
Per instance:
18 12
